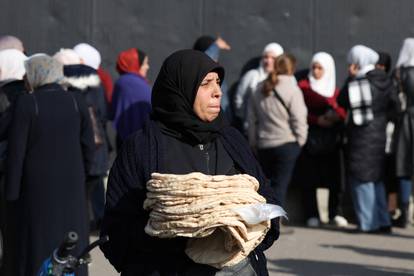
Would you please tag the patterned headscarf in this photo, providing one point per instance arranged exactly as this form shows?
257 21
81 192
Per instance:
364 57
42 69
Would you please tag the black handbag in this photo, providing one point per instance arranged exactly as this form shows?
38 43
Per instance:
322 141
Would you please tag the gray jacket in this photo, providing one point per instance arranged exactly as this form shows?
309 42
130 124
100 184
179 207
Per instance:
270 123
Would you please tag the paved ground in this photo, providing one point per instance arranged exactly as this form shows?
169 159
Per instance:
326 252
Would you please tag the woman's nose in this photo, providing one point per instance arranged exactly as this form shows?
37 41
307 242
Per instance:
217 91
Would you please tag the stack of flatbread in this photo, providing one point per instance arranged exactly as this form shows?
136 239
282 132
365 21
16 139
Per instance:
202 207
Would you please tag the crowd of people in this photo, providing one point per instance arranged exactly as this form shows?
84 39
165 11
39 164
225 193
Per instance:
298 124
307 131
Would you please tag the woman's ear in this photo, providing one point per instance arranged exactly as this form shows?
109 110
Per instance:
353 69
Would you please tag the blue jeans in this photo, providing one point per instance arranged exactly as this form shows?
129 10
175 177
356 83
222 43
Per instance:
370 204
405 190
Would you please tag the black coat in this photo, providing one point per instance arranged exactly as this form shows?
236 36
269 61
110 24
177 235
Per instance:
365 150
50 144
85 80
129 249
403 134
9 92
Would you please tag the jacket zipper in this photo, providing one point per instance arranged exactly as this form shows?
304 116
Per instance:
207 155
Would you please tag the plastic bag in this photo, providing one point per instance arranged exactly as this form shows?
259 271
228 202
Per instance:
257 213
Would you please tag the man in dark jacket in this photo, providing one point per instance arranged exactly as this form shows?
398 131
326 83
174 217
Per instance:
369 96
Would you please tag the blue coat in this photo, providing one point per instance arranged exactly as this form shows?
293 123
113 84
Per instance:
131 104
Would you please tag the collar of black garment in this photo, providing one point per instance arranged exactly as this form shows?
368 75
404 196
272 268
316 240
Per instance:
48 87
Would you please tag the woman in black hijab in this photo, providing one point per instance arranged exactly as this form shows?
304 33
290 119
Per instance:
187 133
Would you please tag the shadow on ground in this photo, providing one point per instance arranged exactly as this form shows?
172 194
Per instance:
321 268
374 252
351 231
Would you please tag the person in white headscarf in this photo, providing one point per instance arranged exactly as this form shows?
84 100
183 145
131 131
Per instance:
404 138
406 56
90 56
11 87
319 164
11 42
84 78
248 83
370 97
67 57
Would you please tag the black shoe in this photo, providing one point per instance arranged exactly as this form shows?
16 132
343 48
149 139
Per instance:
402 220
384 230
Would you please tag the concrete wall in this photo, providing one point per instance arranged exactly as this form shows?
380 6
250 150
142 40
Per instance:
160 27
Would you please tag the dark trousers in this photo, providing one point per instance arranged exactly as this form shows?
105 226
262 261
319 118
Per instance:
322 171
96 197
278 164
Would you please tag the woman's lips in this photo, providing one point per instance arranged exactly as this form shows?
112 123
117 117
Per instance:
215 107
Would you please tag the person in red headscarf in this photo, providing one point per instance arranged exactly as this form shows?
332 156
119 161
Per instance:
131 102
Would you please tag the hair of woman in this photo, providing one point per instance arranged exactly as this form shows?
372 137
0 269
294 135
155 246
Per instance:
284 65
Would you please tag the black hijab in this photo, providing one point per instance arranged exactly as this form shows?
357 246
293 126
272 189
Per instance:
174 93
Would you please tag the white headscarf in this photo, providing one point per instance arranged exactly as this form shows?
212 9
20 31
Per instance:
406 57
326 85
42 69
67 57
88 54
12 64
364 57
274 49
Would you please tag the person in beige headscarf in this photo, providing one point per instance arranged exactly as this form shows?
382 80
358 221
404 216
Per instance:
67 57
11 42
50 148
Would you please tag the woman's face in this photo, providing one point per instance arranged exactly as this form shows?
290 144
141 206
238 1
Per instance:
207 102
143 70
317 70
268 61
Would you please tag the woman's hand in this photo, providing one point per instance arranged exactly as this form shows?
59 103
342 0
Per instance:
222 44
332 116
324 121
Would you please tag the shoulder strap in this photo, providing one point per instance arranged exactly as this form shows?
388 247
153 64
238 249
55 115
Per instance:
281 100
75 103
